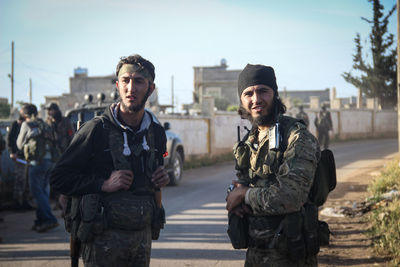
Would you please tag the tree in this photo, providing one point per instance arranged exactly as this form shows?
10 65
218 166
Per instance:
232 108
4 110
221 103
378 79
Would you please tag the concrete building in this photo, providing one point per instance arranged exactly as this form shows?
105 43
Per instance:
303 96
216 81
3 100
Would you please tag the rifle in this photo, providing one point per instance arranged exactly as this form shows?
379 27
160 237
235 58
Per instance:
74 242
159 222
74 250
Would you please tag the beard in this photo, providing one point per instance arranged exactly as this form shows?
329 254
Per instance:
138 107
263 120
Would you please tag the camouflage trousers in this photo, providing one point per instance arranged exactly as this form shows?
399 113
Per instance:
20 186
272 258
118 248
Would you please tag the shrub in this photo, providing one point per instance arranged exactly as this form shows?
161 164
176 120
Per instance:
385 220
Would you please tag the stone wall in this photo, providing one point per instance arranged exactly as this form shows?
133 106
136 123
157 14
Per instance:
216 134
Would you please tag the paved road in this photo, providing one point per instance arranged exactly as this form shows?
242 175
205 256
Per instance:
195 234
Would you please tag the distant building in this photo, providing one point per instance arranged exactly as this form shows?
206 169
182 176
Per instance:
216 81
3 100
303 96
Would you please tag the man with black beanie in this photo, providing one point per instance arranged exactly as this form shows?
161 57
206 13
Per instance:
276 163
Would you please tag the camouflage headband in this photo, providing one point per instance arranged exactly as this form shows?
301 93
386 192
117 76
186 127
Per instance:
131 68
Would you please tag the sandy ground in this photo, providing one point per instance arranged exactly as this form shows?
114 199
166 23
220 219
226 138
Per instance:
349 244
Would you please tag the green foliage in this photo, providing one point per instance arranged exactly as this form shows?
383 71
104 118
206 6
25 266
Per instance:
385 220
232 108
201 161
389 179
221 103
4 110
378 79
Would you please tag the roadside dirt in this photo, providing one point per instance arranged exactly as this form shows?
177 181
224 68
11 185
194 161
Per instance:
349 244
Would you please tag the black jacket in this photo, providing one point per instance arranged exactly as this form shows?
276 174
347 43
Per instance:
87 162
12 140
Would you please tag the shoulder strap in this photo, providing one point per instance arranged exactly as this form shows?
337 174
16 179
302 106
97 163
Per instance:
105 128
286 123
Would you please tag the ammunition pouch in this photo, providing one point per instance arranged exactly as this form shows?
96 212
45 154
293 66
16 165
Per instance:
293 231
238 231
92 217
72 216
127 211
268 231
158 223
311 228
297 235
323 233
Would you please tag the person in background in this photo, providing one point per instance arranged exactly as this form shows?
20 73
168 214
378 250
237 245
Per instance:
62 130
323 123
20 194
62 133
35 140
303 116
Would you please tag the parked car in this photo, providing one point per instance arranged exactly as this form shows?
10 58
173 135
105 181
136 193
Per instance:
173 162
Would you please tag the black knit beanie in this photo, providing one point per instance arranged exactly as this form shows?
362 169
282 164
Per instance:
256 74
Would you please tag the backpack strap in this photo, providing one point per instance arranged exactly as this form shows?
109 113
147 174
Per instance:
286 123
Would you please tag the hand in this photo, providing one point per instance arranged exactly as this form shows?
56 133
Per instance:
13 156
236 197
62 200
160 177
241 210
121 179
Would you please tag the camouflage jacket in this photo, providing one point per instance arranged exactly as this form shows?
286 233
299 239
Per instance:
280 181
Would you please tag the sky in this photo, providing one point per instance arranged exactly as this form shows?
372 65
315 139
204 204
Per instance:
309 43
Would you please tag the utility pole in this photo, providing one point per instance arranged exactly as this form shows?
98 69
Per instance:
12 74
398 74
172 93
30 91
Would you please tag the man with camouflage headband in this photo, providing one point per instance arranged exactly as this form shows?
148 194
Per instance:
114 167
276 163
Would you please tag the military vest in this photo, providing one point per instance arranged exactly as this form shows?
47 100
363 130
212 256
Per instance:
140 161
256 163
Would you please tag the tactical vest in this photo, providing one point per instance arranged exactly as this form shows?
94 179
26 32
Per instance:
147 161
268 162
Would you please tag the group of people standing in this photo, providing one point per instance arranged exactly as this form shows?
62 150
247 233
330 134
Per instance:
113 171
34 145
